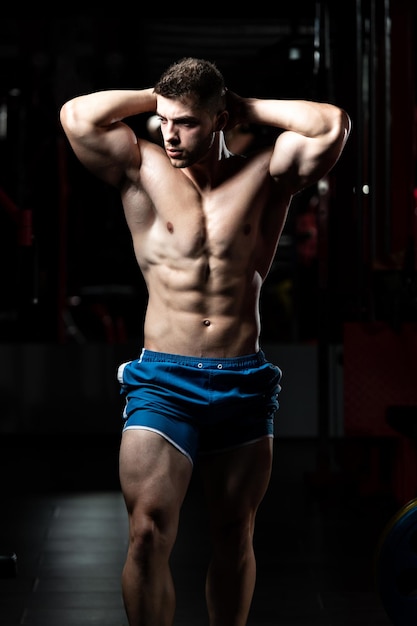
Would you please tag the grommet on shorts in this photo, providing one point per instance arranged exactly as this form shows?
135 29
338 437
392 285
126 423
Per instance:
200 365
219 366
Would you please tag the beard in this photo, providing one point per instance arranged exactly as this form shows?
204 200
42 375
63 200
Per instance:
188 158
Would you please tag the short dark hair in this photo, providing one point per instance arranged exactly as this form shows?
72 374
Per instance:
198 78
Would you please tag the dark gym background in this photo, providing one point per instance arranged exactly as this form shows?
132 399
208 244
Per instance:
339 314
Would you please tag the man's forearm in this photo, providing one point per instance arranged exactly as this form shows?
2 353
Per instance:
311 119
102 108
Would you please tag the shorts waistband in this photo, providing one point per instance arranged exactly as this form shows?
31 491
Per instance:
246 360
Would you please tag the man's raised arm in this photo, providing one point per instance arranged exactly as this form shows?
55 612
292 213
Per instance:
94 127
314 136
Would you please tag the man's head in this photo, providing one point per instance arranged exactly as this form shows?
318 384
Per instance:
197 79
191 108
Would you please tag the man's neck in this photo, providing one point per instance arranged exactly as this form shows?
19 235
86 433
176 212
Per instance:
206 172
223 152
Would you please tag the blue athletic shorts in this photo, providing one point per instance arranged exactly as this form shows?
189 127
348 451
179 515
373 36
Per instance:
201 405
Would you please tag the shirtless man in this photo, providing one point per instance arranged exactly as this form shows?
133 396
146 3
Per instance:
205 225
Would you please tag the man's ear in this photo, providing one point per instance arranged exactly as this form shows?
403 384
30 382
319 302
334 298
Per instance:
222 119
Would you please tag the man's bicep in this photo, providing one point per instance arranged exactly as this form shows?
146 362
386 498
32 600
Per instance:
300 161
109 153
287 158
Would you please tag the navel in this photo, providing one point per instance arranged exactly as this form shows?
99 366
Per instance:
170 227
206 322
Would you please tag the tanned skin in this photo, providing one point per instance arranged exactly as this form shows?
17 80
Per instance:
205 225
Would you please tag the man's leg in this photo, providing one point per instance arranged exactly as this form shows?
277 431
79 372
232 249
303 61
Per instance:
235 484
154 478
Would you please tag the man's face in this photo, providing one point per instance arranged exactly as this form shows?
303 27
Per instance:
187 131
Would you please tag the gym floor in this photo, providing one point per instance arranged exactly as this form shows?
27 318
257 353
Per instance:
63 518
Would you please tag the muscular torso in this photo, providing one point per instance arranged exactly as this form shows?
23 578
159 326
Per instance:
204 253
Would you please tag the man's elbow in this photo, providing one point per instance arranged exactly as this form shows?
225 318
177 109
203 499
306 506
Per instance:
344 126
72 122
66 116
